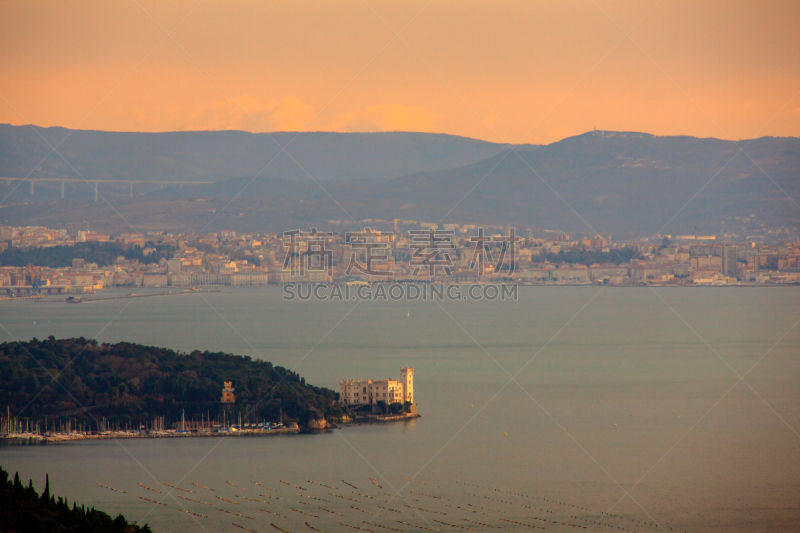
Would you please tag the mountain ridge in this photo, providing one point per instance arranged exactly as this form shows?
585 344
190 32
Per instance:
224 154
599 181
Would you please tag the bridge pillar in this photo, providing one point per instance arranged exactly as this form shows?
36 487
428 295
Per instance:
95 191
62 189
32 182
131 189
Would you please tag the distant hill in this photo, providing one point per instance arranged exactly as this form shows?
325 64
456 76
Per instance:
608 182
220 155
613 182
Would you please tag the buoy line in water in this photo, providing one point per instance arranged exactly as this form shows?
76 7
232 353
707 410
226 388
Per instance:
344 497
251 499
429 496
153 501
191 512
271 512
471 510
302 512
149 488
385 527
521 524
191 500
237 514
370 497
423 509
416 526
453 525
322 485
245 528
329 511
111 488
314 498
356 527
481 523
177 488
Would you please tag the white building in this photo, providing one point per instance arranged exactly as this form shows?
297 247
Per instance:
370 391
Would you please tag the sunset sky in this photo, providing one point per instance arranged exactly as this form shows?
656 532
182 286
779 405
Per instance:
510 71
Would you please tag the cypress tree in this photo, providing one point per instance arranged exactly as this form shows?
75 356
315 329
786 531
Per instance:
46 493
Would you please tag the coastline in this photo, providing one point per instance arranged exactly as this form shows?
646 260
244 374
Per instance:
31 438
382 419
25 439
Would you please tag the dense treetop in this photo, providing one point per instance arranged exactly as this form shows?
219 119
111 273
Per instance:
102 253
590 257
22 510
134 383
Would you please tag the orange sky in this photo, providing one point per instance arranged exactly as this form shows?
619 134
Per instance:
513 71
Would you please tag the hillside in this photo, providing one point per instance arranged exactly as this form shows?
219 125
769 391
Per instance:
130 384
219 155
608 182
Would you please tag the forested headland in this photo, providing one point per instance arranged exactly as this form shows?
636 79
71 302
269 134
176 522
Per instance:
95 386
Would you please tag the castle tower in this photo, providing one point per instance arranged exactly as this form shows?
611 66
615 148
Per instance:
407 379
227 393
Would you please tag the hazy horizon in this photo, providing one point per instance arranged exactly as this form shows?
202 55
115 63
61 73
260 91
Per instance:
233 130
515 72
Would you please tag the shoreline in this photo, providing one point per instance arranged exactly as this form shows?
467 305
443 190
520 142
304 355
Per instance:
27 439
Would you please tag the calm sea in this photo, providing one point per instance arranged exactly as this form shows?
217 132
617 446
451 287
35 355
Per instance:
613 409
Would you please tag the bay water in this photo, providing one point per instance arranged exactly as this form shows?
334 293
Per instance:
635 409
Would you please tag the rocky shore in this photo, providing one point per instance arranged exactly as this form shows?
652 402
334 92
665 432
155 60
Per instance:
380 419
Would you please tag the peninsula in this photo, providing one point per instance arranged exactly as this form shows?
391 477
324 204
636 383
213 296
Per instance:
61 390
82 387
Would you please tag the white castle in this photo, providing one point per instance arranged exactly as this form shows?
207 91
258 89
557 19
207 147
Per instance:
371 391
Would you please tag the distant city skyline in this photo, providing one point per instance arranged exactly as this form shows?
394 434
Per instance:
510 72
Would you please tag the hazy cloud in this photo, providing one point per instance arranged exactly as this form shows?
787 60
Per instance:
392 117
246 113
